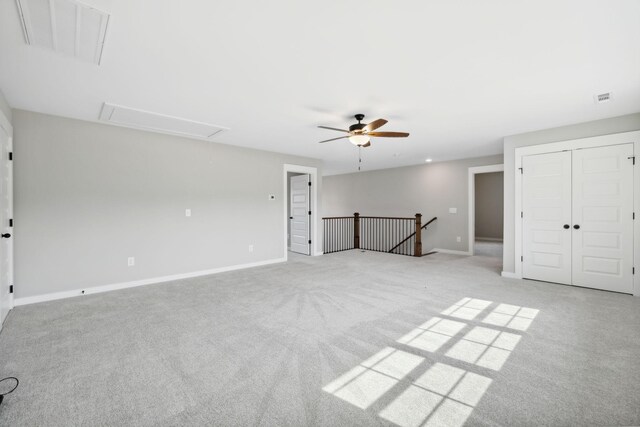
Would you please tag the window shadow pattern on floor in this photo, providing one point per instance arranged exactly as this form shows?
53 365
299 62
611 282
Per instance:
443 394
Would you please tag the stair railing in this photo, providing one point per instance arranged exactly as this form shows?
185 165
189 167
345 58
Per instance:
397 235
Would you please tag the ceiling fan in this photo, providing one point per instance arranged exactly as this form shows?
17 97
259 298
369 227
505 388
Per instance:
360 134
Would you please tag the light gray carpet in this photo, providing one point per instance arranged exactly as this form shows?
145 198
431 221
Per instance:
488 248
257 347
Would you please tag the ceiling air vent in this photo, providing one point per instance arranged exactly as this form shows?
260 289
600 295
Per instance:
603 97
145 120
66 26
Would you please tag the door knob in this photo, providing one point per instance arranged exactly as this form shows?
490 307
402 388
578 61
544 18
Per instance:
566 226
577 227
5 235
290 217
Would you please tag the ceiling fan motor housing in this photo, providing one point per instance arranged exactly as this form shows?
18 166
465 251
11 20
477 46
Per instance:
356 127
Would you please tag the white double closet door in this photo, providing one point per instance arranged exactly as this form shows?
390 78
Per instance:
577 217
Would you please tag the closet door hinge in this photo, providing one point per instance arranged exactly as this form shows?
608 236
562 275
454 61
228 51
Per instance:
309 241
309 183
10 155
633 270
633 159
521 171
11 289
521 214
521 259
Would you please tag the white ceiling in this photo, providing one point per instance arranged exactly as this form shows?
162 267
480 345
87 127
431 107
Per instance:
458 75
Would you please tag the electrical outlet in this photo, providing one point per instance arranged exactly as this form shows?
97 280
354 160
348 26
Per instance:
131 261
458 239
453 210
187 212
250 248
272 196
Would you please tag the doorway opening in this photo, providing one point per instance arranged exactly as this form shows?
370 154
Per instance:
299 211
486 211
300 194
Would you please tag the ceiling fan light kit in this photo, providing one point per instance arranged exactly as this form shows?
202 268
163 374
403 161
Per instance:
359 140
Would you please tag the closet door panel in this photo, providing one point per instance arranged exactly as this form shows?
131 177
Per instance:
546 207
602 227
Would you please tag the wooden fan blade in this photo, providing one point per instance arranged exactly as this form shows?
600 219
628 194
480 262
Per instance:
368 144
374 125
333 139
389 134
330 128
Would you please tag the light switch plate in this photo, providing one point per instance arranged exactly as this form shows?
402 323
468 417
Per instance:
187 212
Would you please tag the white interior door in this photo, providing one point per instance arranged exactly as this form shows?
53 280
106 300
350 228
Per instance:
300 214
546 217
6 240
603 218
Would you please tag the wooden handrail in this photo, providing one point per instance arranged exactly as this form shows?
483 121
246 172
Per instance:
387 217
430 221
337 217
413 234
374 217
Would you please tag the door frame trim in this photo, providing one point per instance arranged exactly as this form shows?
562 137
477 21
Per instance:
313 173
5 124
576 144
473 171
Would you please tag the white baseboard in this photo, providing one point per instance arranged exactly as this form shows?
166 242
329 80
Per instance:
510 275
451 251
116 286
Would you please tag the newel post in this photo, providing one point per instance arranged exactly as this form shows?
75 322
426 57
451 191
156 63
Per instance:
356 230
417 248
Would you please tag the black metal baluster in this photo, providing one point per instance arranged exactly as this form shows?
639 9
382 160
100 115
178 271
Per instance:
335 234
385 234
404 249
324 231
378 229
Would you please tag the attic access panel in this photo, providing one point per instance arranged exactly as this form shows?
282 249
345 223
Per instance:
65 26
155 122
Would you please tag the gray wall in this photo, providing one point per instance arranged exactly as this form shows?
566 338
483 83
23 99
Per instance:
429 189
608 126
489 205
5 108
88 195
